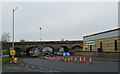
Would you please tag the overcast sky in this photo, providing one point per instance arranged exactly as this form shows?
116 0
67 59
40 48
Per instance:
70 21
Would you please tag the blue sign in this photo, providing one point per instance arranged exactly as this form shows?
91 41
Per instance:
64 54
68 54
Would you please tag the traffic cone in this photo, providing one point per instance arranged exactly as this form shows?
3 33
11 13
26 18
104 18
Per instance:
84 60
50 58
71 58
53 58
80 59
90 60
65 59
58 58
75 59
10 62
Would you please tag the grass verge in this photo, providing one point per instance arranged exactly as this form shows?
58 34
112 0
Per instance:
0 60
6 60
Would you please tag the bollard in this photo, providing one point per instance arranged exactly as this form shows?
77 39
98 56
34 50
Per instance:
15 60
80 59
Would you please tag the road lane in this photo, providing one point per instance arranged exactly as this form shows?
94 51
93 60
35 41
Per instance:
97 66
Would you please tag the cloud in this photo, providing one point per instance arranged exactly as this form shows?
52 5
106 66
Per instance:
59 20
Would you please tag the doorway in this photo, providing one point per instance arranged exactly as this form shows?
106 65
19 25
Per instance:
115 45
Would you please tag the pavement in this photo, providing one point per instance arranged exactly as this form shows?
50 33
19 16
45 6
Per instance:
22 67
61 66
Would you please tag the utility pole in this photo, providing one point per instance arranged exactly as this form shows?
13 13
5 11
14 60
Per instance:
13 30
40 33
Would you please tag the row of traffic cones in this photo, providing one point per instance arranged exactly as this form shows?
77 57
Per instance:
65 59
84 60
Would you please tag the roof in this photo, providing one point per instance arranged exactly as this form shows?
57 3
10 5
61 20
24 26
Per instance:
101 32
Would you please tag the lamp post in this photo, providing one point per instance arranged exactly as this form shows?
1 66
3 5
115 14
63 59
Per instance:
13 30
40 33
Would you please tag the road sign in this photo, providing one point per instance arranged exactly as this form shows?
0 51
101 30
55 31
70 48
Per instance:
64 54
12 52
68 54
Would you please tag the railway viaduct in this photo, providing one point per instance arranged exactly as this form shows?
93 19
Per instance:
55 45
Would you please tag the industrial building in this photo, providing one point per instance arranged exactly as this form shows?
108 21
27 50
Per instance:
107 41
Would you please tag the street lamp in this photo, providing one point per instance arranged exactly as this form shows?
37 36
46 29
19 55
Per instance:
40 33
13 30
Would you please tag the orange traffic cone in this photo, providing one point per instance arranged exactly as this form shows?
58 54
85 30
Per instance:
71 58
75 59
84 60
80 59
53 58
90 60
50 58
58 58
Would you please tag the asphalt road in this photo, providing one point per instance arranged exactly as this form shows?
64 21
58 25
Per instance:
60 66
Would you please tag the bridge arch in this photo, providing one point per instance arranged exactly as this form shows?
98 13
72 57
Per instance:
19 52
76 47
32 51
63 49
48 50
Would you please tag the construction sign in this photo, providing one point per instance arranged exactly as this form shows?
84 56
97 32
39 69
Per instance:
85 48
12 52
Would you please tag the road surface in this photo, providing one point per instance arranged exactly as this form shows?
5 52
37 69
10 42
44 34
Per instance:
61 66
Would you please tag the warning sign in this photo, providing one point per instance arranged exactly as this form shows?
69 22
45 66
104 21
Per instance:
12 52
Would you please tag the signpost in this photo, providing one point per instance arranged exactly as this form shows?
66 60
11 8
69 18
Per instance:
90 43
64 54
12 52
68 54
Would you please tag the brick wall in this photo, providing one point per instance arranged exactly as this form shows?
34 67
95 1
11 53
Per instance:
108 44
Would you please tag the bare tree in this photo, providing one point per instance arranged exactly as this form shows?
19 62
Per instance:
5 37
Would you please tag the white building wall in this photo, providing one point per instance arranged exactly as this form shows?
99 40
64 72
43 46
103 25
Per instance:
103 35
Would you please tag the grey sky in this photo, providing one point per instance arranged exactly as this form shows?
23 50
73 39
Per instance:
70 21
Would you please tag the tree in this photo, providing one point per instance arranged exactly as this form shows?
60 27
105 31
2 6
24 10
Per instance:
22 40
62 39
5 37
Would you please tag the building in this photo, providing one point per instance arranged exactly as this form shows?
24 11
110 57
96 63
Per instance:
107 41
